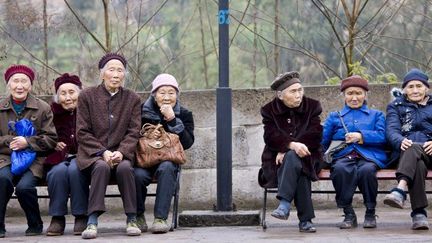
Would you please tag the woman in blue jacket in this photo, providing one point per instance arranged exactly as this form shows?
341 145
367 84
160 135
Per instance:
357 164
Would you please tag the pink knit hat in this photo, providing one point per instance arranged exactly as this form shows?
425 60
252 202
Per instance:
164 79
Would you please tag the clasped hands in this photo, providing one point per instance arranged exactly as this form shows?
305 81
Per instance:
112 158
18 143
406 143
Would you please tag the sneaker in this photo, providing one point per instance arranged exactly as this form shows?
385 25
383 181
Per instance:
395 199
350 221
142 224
420 222
307 227
369 222
159 226
80 224
57 226
132 228
90 232
280 213
34 230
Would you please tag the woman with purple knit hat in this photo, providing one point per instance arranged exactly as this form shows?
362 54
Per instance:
63 175
163 107
18 105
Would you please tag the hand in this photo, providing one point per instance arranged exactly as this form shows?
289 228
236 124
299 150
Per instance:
60 146
18 143
300 149
353 137
279 158
116 158
168 112
156 134
427 146
107 156
406 143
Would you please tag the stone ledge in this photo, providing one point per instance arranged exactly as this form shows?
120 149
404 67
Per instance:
201 218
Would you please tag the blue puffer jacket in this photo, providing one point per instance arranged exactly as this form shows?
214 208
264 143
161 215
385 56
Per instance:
408 120
369 122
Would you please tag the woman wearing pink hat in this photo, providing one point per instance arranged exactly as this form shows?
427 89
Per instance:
163 107
20 104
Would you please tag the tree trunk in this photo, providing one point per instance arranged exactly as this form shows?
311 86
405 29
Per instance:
107 26
255 44
276 37
203 46
45 27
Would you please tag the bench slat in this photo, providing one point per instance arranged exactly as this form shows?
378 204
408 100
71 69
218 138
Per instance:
385 174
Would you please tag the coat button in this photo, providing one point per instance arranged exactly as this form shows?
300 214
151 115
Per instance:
290 133
289 120
72 136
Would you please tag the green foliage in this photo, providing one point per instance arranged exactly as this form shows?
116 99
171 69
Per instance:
333 81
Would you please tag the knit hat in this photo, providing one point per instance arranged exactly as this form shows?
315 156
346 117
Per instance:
284 80
110 56
354 81
19 69
164 79
66 78
415 74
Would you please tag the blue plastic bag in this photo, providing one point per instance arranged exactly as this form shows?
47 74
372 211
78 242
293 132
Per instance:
22 159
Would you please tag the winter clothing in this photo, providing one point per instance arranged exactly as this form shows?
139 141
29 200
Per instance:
109 56
285 80
354 81
283 125
19 69
66 78
164 79
415 74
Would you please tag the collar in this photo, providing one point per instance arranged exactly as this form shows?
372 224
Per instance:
364 108
58 109
106 92
31 103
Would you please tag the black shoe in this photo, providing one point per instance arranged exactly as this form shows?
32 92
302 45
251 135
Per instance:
307 227
2 233
34 230
370 222
350 221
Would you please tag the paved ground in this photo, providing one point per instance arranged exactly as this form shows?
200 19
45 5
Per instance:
393 226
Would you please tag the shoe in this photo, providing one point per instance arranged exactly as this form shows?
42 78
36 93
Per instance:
132 228
57 226
307 227
395 199
90 232
420 222
34 230
80 224
142 224
2 232
280 214
350 221
370 222
159 226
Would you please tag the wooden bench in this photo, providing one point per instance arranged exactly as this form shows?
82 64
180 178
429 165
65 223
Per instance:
385 174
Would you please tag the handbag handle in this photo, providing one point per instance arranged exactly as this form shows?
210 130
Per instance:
342 121
149 126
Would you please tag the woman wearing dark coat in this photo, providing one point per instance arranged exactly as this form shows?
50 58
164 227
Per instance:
163 107
63 177
292 153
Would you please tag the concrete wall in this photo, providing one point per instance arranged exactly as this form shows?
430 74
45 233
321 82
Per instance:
198 180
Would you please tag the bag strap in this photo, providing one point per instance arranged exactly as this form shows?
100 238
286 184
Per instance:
342 121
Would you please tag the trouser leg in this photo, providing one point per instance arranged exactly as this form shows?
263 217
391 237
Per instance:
143 178
27 197
344 179
368 182
79 189
126 184
6 190
100 175
303 199
58 189
166 174
417 187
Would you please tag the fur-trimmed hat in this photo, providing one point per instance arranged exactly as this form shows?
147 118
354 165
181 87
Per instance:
284 80
110 56
66 78
354 81
19 69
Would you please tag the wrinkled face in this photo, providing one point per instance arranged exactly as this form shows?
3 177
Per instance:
19 86
113 75
68 96
354 97
166 95
415 91
292 96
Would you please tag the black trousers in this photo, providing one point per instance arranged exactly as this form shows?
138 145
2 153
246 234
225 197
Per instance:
293 184
347 174
413 166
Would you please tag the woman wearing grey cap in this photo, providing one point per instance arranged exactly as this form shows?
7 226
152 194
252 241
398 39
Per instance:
292 134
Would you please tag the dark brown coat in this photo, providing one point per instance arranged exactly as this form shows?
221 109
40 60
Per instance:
106 122
37 111
283 125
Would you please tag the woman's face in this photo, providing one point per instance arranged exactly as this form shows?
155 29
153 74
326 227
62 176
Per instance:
354 97
19 86
292 96
415 91
166 95
113 75
68 96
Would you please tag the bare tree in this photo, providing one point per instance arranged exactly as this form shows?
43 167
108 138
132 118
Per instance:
204 55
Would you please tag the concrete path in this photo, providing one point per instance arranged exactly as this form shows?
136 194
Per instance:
393 226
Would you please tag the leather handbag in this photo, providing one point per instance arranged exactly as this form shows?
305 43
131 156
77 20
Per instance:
152 151
335 145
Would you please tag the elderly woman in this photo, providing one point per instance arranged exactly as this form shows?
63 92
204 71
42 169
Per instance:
356 165
108 124
163 107
18 105
64 177
409 131
292 135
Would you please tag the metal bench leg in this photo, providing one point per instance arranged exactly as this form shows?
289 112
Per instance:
175 204
263 221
